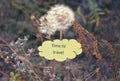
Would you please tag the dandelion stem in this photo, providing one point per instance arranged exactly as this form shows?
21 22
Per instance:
61 32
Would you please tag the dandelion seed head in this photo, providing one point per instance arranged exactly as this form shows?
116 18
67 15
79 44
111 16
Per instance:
45 27
59 17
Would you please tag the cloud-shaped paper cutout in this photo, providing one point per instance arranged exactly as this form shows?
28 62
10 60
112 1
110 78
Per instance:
60 50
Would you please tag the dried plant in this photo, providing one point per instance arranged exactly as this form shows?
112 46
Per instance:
58 18
52 70
82 39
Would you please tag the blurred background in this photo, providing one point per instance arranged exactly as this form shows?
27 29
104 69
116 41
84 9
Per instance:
99 17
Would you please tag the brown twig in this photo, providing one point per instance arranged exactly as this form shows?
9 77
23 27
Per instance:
109 45
24 60
36 23
82 39
29 65
7 44
90 75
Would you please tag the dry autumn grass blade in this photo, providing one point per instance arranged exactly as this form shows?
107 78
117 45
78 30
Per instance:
82 33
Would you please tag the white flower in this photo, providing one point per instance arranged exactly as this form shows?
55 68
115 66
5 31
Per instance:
59 17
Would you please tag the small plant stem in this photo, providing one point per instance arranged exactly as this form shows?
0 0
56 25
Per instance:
14 52
24 60
61 34
48 37
82 33
41 37
36 23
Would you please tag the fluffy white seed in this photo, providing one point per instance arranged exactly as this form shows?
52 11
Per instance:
59 17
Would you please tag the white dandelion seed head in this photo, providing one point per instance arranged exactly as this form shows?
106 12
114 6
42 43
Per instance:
59 17
45 27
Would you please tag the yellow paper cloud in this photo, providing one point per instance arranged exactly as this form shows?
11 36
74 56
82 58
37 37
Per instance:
60 50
